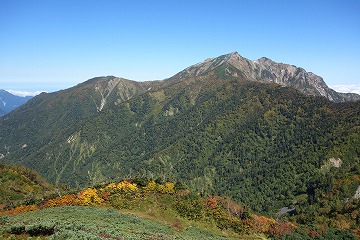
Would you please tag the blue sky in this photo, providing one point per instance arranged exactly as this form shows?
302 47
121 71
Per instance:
53 45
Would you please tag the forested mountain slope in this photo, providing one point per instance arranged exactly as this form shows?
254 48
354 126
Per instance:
266 145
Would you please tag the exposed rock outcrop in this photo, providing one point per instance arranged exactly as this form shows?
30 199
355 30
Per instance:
266 70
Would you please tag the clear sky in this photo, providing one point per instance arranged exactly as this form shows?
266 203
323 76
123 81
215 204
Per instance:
50 45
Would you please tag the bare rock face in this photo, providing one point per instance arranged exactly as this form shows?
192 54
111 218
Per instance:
336 162
266 70
357 193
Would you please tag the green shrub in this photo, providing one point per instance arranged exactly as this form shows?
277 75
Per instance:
17 229
190 207
40 230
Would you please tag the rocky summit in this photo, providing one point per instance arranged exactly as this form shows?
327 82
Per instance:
268 71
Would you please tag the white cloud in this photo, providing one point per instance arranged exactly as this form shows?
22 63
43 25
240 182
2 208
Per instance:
353 88
24 93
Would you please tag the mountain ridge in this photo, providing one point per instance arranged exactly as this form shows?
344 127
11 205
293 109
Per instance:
266 70
225 66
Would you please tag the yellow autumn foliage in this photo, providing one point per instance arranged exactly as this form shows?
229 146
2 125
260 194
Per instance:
168 188
151 186
88 197
127 186
111 186
122 186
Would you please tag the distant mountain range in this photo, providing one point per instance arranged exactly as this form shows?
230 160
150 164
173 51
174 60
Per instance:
264 133
9 102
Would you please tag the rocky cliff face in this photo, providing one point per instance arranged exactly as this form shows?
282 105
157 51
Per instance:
266 70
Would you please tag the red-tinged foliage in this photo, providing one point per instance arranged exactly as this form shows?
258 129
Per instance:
281 228
262 224
312 232
105 196
104 235
357 232
177 224
210 202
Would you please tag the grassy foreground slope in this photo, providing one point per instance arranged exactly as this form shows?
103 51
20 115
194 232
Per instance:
151 210
76 222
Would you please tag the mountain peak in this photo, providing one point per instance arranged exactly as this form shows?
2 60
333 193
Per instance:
265 70
234 54
264 59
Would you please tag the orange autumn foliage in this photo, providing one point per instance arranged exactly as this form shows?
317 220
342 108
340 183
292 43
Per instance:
65 200
262 224
282 228
210 202
357 232
21 209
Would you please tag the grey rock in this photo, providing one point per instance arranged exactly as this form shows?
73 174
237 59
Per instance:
267 71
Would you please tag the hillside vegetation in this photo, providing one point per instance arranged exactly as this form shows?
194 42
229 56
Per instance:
261 144
280 153
173 213
20 185
150 210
